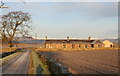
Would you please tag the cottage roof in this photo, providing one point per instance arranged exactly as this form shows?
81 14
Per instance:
70 41
96 42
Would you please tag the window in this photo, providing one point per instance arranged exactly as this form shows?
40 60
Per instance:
64 46
73 46
111 45
85 46
99 46
92 45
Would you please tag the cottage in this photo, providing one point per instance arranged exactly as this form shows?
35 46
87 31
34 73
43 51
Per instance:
73 43
107 43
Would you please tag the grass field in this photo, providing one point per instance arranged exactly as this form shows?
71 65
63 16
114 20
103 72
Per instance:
89 61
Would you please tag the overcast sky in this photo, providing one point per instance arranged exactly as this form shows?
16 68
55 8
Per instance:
74 19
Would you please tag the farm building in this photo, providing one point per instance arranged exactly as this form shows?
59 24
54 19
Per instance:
107 43
73 43
116 44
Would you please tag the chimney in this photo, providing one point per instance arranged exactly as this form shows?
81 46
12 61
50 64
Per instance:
89 38
46 37
68 38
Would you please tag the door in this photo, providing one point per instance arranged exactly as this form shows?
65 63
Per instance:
92 45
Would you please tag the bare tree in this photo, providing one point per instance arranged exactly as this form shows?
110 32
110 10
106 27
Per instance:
14 23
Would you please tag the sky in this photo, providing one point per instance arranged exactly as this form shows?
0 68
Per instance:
74 19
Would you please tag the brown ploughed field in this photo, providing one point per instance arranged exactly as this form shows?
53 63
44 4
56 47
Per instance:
88 61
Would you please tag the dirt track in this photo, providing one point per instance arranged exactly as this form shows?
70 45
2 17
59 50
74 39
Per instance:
88 62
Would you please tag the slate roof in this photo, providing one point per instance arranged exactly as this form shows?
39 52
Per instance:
71 41
96 42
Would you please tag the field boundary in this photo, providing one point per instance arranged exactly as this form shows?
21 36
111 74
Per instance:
61 49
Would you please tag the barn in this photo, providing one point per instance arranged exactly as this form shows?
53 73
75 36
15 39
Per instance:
107 43
73 43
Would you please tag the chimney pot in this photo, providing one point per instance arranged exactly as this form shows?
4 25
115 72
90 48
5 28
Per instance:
89 38
46 37
68 38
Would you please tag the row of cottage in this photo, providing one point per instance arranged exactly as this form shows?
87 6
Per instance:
76 43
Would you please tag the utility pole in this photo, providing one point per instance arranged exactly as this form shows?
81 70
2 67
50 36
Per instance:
35 41
45 41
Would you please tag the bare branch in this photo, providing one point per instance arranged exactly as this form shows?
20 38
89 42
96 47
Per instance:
15 21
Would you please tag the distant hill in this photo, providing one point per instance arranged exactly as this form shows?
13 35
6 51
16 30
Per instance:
28 40
33 41
23 38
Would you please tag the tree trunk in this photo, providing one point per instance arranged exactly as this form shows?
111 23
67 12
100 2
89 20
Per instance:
10 45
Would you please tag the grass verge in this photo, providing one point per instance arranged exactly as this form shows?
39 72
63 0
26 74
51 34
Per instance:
36 65
7 59
31 68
